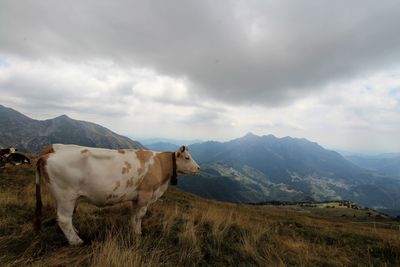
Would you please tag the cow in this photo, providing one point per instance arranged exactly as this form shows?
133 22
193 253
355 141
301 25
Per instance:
7 151
17 159
9 155
105 177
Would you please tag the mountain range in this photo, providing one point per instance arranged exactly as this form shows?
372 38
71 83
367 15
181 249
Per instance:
265 168
385 164
177 142
247 169
30 135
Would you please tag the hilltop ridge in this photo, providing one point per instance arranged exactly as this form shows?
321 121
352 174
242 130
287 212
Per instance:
32 135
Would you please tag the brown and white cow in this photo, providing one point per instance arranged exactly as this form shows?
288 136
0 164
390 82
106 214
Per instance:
106 177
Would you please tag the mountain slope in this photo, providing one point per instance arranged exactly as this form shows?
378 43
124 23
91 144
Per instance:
162 146
264 168
32 135
177 142
279 157
388 164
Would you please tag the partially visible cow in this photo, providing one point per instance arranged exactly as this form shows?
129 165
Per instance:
7 151
106 177
9 155
17 159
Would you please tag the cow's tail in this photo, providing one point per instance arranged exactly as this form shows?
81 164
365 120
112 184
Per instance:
38 211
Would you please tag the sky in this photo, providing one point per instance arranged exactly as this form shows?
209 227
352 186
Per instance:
328 71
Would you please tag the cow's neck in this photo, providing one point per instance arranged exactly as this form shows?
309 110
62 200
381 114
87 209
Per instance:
167 166
174 179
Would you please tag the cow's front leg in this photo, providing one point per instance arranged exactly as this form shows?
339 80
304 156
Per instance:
139 210
137 224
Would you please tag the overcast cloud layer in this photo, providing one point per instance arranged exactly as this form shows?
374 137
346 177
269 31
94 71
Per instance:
324 70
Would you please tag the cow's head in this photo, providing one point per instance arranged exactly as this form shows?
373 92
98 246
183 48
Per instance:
12 150
185 165
6 151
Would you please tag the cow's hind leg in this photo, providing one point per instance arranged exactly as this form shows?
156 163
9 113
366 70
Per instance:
65 210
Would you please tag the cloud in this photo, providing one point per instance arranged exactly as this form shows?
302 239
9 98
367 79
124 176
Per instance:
132 101
64 86
202 117
325 70
263 52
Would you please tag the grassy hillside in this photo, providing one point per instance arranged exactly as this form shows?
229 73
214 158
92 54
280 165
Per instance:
184 230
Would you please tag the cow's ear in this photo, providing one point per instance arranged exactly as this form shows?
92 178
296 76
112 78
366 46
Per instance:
183 148
178 154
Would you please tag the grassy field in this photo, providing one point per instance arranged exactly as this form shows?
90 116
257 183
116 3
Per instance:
184 230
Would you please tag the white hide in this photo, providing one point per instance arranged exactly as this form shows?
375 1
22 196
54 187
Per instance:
103 177
94 174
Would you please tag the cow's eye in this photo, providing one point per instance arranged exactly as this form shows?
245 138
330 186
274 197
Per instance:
187 158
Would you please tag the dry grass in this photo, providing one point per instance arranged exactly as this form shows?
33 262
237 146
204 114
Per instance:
184 230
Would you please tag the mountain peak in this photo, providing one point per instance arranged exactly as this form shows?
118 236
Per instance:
270 136
32 135
62 117
250 135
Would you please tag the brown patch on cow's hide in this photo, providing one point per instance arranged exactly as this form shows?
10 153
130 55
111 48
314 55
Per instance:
84 150
121 151
143 156
42 161
117 184
129 182
159 173
47 150
127 167
166 166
